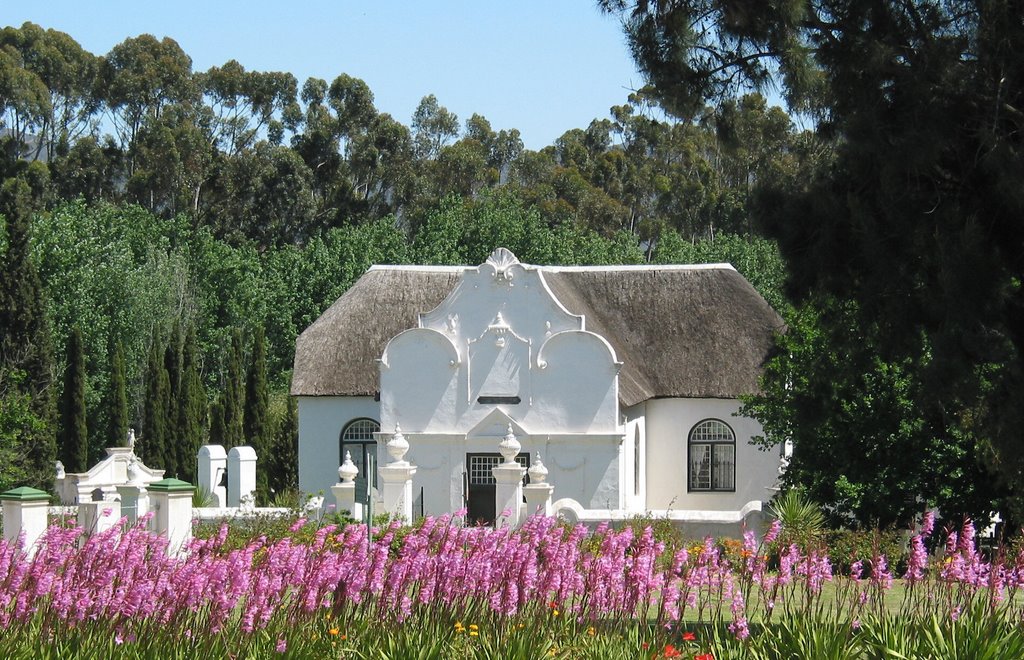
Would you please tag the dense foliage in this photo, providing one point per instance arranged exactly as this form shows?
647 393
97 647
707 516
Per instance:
915 220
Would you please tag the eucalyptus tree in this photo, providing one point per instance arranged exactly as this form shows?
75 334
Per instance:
68 73
245 104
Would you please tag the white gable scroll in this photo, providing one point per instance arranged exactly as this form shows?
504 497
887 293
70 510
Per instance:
481 348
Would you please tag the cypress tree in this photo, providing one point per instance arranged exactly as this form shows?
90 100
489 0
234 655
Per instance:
191 409
284 463
154 415
73 439
256 404
172 435
234 393
217 430
25 341
117 399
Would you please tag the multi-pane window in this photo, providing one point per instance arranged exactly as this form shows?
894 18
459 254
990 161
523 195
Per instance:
712 449
480 466
357 439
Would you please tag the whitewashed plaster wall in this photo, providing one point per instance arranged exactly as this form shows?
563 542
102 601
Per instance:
668 424
584 468
321 420
500 333
633 461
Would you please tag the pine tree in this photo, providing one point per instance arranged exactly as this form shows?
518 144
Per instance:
172 435
73 439
154 416
234 393
256 404
284 463
25 341
191 409
117 399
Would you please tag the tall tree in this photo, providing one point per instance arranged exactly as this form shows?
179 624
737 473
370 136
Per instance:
73 438
154 415
173 368
218 432
284 458
433 126
234 393
138 79
191 409
256 427
68 73
26 352
918 218
117 399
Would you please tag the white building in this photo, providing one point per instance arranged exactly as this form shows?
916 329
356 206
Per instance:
624 379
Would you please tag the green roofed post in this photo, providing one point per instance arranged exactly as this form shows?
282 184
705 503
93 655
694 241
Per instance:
171 486
24 494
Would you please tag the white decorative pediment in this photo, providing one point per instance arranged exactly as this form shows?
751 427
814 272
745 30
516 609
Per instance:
495 425
500 285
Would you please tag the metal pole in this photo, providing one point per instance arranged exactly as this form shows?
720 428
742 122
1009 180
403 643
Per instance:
370 474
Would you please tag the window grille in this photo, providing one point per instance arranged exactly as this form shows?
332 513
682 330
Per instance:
480 468
712 448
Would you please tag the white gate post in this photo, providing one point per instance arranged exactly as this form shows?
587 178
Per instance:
508 489
397 479
172 504
345 490
213 464
538 492
97 516
242 476
25 511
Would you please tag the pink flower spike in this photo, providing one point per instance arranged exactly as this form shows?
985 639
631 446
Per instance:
282 645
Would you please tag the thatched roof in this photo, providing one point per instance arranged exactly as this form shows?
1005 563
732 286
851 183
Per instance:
681 331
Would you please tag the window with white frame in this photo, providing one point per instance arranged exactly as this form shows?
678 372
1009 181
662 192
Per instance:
712 451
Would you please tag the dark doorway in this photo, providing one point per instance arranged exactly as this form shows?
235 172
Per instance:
480 486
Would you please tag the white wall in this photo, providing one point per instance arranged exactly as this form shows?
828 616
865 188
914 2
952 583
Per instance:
668 424
321 420
584 468
500 333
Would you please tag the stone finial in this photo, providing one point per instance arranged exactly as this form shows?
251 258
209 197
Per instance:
509 446
538 473
348 470
131 438
133 472
398 446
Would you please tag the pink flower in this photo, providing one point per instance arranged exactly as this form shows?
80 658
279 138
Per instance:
282 645
928 523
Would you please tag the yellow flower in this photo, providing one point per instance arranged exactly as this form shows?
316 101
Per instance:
591 631
473 626
554 612
334 631
473 633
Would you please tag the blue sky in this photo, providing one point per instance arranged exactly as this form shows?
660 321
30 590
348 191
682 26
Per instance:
540 66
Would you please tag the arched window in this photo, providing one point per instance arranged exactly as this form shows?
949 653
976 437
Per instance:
712 450
357 439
